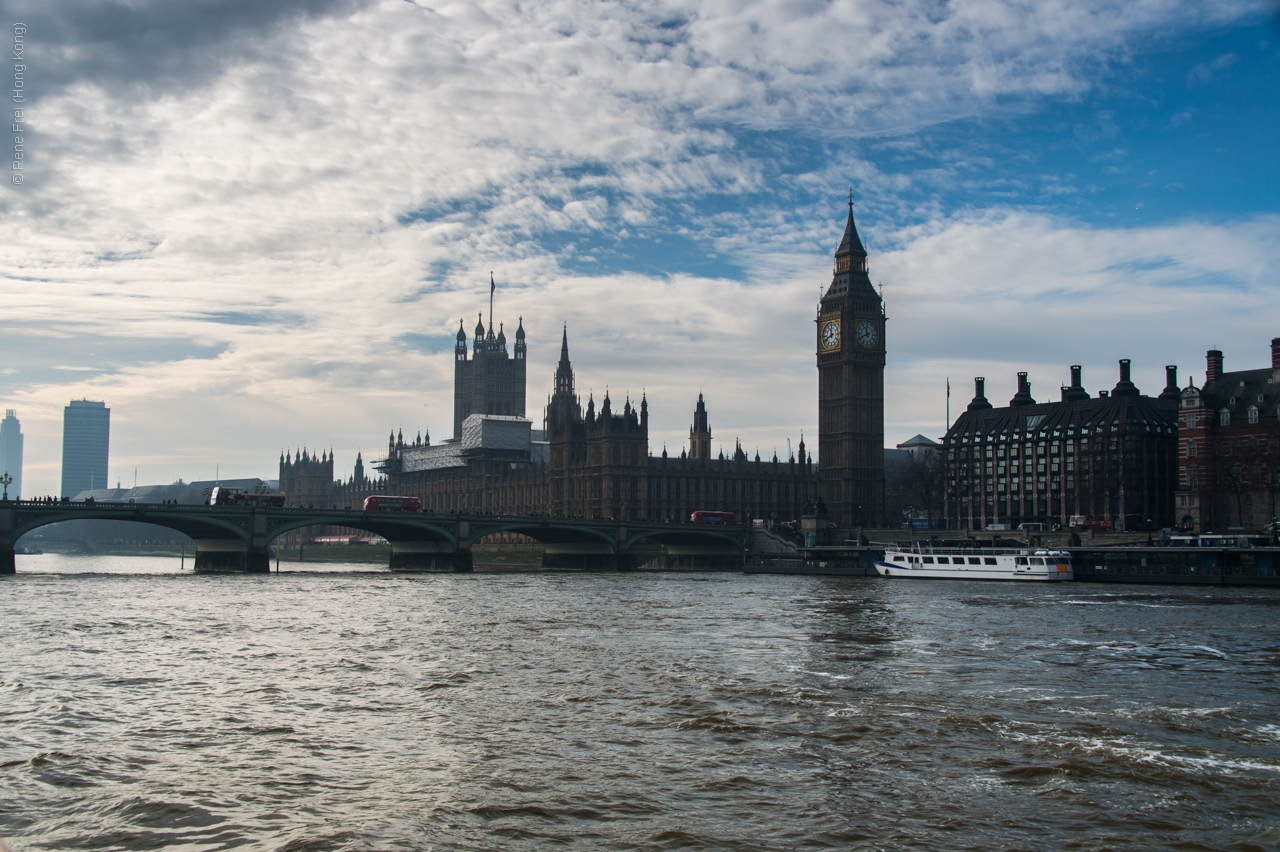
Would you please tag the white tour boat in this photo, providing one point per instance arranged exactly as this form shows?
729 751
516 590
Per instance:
954 563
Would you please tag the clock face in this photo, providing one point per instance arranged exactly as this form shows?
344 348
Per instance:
867 335
831 334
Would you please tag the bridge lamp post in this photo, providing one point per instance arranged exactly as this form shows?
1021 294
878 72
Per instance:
5 480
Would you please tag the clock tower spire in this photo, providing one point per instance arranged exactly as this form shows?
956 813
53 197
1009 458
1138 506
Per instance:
851 358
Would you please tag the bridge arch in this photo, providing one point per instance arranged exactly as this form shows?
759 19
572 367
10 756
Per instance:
417 541
187 523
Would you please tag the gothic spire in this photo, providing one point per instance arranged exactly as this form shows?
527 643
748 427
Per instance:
850 274
564 371
851 244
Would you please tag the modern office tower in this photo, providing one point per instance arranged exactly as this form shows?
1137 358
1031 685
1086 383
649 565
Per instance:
11 452
86 431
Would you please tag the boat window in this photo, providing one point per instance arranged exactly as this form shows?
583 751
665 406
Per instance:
928 560
942 560
899 558
973 560
1036 560
988 560
1021 560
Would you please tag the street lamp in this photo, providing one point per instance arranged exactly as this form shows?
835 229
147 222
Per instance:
5 480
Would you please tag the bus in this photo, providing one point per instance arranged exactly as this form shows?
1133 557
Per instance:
226 496
383 503
704 517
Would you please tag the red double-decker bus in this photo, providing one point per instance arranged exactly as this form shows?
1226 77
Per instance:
704 517
381 503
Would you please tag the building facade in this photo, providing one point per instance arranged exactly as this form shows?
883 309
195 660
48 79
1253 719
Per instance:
490 381
1229 453
86 438
307 480
851 358
1111 458
590 463
597 463
11 453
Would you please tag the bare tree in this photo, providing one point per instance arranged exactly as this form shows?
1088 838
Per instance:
923 482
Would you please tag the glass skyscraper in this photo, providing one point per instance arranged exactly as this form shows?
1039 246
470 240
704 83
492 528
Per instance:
11 451
86 432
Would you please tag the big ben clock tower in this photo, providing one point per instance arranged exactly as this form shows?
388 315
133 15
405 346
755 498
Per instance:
851 389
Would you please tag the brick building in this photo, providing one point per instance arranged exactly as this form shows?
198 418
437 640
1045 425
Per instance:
1229 448
1112 458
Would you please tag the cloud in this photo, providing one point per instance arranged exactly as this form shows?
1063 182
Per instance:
1010 291
278 212
1203 73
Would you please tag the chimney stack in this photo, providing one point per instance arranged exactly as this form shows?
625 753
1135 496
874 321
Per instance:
1023 396
1125 387
1076 391
1171 392
1275 353
979 402
1213 365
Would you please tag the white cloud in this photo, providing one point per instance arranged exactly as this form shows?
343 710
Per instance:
345 182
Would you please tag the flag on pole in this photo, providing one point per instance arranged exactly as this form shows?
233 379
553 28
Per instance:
492 286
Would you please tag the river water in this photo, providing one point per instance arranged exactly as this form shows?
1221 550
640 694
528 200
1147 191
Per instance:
143 708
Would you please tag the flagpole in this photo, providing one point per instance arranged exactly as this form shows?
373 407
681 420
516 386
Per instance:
948 429
492 287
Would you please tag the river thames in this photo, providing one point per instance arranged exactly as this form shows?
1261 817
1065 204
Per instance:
145 708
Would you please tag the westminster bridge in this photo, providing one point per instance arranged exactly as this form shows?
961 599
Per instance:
238 538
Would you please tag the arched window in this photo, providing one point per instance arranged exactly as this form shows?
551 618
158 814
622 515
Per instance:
1253 414
1193 477
1224 417
1191 449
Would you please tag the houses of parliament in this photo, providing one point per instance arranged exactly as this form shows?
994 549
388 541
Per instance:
597 462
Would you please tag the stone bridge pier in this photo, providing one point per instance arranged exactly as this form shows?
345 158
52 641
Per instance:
236 554
7 562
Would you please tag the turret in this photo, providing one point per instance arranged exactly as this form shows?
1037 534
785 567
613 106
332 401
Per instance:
520 348
460 348
700 432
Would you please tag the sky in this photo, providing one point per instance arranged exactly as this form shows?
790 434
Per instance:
254 226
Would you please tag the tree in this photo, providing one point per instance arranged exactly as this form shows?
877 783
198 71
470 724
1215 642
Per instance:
922 482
